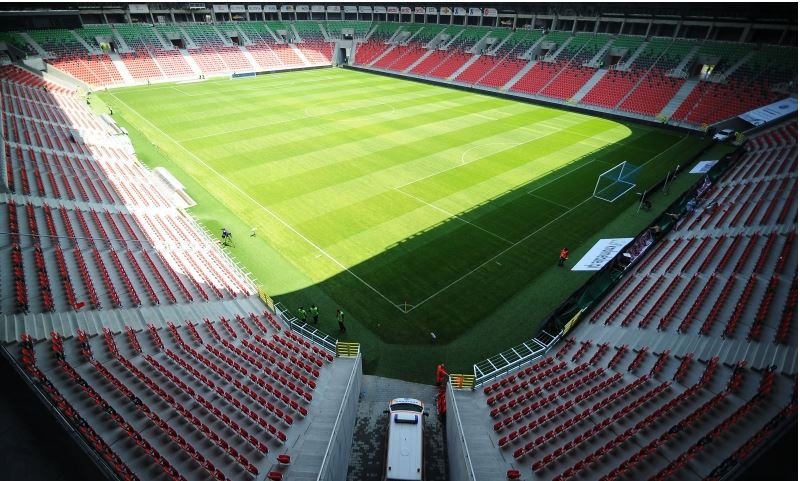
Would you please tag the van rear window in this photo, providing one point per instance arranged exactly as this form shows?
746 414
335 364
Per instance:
406 418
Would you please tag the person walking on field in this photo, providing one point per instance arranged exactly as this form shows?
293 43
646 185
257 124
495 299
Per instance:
563 256
314 313
301 314
340 318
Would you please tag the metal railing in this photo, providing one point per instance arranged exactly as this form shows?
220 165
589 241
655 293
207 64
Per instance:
509 360
306 330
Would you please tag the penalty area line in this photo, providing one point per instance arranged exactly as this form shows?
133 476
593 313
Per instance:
496 256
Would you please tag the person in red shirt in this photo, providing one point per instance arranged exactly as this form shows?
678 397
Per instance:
563 256
441 374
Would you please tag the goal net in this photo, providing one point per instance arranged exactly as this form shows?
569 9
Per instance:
616 182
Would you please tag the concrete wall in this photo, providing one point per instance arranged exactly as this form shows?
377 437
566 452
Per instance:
458 461
337 455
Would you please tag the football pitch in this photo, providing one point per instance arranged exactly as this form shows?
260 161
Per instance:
414 208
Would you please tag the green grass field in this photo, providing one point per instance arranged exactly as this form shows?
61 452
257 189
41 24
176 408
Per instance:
413 207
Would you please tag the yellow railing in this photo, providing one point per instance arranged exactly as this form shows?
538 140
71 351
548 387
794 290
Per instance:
266 299
462 381
347 349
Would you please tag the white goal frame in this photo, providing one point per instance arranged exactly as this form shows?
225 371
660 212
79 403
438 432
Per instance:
618 178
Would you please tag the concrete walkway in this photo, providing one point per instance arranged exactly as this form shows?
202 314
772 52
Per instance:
369 441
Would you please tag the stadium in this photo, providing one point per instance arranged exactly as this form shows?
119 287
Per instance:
560 239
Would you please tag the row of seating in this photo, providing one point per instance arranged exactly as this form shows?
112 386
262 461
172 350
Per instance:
73 417
675 466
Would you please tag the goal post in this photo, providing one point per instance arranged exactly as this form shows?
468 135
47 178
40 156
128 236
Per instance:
616 182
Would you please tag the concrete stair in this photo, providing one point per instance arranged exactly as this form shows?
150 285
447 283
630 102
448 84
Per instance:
382 55
189 42
80 40
35 45
409 39
297 36
225 40
553 55
275 37
518 76
528 53
589 84
638 82
249 57
464 67
595 61
246 38
733 68
627 65
192 64
419 60
679 97
452 39
497 47
325 34
166 44
479 43
300 53
120 66
680 71
396 32
371 30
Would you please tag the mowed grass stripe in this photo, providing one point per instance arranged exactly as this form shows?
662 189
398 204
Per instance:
375 183
291 141
286 116
531 151
179 111
363 156
374 171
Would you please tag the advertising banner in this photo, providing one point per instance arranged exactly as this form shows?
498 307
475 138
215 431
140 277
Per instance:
601 253
769 112
220 8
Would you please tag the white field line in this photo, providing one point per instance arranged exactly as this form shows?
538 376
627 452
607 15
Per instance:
463 162
186 93
548 201
264 208
454 216
613 147
448 286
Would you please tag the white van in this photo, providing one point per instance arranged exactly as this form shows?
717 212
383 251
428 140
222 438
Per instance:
404 453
